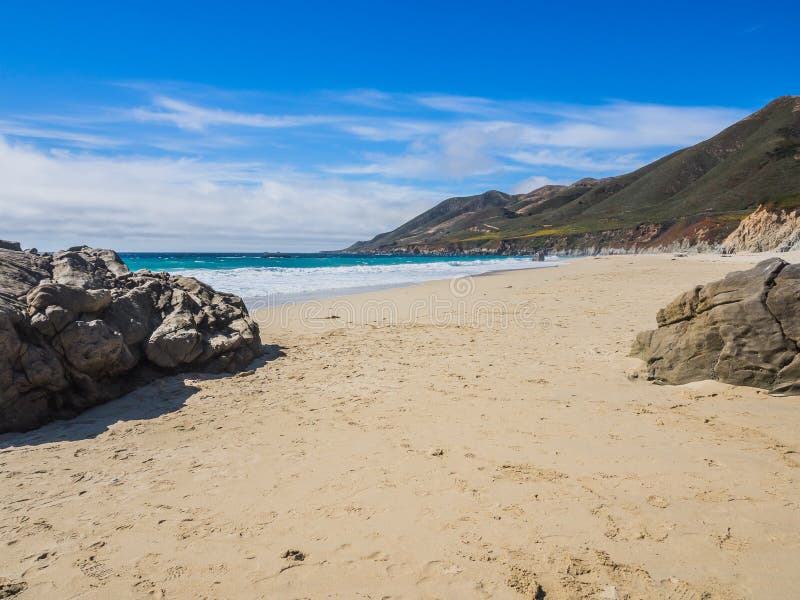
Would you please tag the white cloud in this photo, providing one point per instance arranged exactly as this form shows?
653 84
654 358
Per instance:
578 159
533 183
473 105
78 138
630 125
367 97
54 200
197 118
389 130
606 139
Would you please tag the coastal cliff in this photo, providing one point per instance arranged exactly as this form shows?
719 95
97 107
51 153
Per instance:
766 229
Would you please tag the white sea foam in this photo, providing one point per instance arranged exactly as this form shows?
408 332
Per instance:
279 284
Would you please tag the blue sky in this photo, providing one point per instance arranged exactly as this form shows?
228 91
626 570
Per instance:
306 126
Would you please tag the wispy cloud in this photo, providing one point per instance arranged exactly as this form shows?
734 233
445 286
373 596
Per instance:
578 159
610 139
534 182
369 98
176 162
197 118
471 105
88 140
389 130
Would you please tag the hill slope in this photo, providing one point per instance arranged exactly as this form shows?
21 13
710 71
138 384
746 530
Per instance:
695 196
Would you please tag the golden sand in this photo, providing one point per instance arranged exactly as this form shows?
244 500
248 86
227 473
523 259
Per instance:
480 438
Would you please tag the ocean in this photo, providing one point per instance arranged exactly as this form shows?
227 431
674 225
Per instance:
295 277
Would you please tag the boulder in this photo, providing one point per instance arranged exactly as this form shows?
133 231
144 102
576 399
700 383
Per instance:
21 271
743 329
77 328
6 245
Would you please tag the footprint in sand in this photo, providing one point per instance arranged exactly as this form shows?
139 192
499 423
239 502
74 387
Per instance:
294 555
714 496
175 572
10 588
40 561
658 501
731 543
525 473
523 581
430 570
91 567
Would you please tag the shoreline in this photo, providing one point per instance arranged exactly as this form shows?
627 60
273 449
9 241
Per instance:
268 302
432 442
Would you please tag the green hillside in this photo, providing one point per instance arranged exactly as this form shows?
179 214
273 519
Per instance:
695 195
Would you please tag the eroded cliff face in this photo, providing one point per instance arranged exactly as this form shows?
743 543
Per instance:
764 230
77 328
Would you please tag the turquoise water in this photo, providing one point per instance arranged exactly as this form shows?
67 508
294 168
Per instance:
156 261
303 276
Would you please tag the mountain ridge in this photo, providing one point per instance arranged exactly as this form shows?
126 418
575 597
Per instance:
695 196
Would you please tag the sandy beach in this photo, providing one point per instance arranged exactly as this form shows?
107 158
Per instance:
476 438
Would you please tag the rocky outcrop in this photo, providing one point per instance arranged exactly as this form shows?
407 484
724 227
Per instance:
6 245
764 230
77 328
743 330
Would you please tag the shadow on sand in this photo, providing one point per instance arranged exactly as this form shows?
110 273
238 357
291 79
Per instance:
160 397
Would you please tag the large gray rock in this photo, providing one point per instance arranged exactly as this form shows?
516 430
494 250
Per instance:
743 329
6 245
77 328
